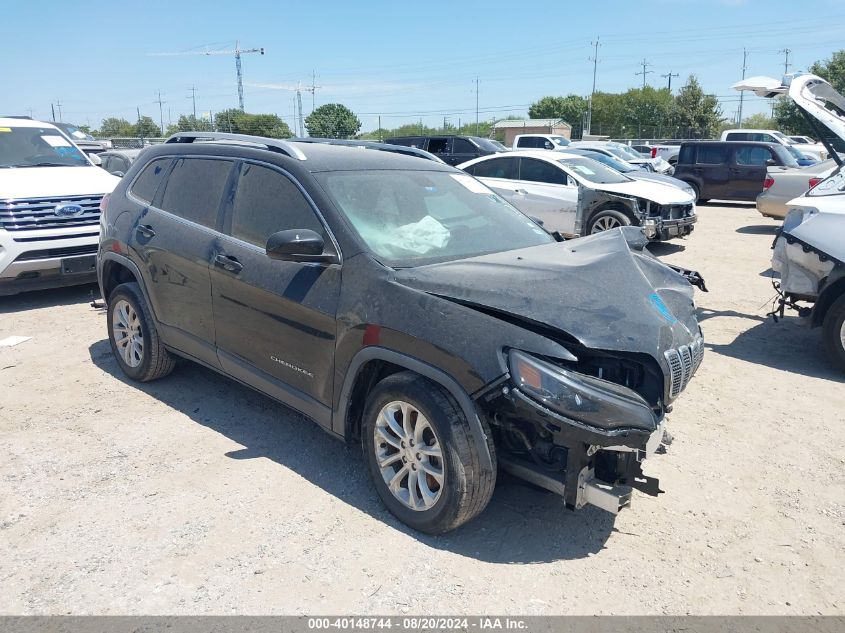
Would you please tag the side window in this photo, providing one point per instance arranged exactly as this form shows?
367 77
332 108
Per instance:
496 168
438 145
146 184
463 146
267 201
530 141
194 189
712 154
686 155
738 136
752 155
540 171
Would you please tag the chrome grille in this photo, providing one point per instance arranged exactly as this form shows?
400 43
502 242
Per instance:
683 362
40 213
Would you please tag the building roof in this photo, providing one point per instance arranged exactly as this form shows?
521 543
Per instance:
531 123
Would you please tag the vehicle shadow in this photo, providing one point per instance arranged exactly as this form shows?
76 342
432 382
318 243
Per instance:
788 345
759 229
520 525
729 203
38 299
659 249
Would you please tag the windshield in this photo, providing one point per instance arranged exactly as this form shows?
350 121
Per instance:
624 152
499 146
487 144
616 163
412 218
780 136
560 140
591 171
37 147
798 139
795 153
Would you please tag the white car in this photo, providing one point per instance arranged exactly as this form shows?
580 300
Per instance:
624 152
809 252
50 194
576 195
554 142
816 151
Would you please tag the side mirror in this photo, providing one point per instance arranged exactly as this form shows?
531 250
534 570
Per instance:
95 159
547 145
771 162
298 245
119 174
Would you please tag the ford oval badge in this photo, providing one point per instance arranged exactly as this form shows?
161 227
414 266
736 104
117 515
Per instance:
68 210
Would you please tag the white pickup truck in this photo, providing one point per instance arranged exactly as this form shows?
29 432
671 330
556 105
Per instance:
667 151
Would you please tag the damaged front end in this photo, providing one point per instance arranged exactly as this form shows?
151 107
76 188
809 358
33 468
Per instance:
659 222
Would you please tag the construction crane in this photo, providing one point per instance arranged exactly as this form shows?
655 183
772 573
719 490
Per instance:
237 53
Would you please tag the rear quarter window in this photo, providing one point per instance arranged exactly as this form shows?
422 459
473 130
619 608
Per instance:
146 184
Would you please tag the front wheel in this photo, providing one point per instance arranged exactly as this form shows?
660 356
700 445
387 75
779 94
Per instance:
608 219
833 332
421 454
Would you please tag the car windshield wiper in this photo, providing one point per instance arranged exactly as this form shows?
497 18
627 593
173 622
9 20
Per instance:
42 164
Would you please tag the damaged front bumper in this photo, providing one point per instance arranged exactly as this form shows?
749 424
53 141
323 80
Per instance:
659 229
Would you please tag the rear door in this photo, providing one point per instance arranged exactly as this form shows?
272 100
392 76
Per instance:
549 195
748 170
275 320
174 237
441 146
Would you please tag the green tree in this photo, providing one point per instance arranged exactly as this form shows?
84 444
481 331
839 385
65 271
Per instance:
696 115
570 108
788 119
147 128
237 122
116 127
333 120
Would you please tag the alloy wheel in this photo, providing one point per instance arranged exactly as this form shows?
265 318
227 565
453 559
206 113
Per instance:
409 455
128 336
606 223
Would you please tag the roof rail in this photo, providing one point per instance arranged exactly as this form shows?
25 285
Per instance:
274 145
382 147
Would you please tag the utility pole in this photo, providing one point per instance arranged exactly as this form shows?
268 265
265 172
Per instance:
160 111
742 92
299 105
30 112
379 127
140 131
194 100
644 72
595 60
314 87
476 106
59 107
53 110
786 63
670 74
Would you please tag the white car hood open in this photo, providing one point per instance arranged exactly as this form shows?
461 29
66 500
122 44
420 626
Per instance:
49 182
650 190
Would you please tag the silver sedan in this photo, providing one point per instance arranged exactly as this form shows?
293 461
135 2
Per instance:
782 185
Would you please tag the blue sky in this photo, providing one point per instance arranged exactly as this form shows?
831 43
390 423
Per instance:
402 60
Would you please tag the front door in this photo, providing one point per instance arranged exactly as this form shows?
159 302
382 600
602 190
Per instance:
173 237
441 146
748 171
549 195
275 320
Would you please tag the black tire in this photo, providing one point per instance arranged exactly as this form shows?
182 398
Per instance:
612 215
833 331
155 361
466 487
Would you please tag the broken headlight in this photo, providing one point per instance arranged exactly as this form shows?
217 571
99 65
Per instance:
590 400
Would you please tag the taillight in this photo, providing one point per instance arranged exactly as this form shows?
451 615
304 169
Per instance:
768 182
815 181
104 203
654 152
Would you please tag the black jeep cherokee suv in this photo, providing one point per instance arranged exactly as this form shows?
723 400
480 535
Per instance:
400 303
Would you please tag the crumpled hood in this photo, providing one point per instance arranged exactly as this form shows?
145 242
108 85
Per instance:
602 290
50 182
658 192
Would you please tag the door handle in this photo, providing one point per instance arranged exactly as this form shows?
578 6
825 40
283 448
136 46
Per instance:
227 262
146 230
521 192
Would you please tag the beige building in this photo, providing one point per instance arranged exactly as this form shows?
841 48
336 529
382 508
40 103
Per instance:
511 128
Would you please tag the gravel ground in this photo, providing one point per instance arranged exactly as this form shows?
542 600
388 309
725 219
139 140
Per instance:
195 495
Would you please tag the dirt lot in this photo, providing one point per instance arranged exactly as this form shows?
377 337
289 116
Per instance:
195 495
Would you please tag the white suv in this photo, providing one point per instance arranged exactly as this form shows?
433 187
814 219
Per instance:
50 195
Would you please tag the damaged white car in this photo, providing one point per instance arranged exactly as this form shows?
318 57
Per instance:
809 251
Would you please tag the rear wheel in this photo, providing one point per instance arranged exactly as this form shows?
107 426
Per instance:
833 332
421 454
608 219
